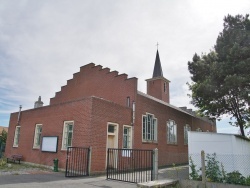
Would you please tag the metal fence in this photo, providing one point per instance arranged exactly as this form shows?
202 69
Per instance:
77 163
130 165
226 163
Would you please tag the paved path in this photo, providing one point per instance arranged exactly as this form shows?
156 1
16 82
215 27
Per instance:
57 180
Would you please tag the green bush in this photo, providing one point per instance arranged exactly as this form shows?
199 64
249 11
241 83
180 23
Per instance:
247 182
2 162
194 173
216 173
235 177
213 172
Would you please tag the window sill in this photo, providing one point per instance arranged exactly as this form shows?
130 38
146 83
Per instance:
149 142
173 144
15 146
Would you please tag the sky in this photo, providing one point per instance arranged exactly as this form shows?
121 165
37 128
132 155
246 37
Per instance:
43 43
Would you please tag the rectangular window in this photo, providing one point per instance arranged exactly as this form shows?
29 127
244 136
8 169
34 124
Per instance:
17 136
171 132
186 129
128 101
67 134
37 136
149 128
111 128
127 137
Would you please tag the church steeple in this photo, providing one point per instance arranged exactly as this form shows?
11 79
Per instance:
158 86
157 69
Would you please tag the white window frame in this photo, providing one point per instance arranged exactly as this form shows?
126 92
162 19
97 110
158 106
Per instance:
186 129
171 126
17 136
149 128
66 132
37 136
129 137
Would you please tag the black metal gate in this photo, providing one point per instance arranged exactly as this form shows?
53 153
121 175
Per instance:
130 165
77 163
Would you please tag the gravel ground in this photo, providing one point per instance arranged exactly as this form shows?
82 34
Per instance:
10 170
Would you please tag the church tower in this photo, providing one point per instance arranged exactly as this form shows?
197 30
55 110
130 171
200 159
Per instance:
158 86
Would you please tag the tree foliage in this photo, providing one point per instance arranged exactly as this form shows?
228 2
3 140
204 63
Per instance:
221 78
3 136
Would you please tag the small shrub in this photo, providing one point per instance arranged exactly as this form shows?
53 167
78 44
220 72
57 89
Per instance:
213 172
247 182
194 173
235 177
2 162
224 173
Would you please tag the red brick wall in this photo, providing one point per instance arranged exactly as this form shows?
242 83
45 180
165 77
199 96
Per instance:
90 117
163 114
94 81
155 88
104 112
52 118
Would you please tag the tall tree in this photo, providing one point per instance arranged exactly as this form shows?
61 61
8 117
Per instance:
3 136
221 78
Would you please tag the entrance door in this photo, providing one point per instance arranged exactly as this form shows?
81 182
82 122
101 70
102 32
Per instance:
112 142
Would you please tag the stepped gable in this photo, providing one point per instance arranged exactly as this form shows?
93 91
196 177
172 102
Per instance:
94 80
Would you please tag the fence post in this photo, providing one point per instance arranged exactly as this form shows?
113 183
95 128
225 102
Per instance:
203 168
89 158
155 164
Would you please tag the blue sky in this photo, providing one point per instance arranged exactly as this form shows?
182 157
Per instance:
42 43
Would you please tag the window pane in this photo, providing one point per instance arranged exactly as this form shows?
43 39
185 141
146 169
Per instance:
144 128
125 142
149 129
125 130
111 128
70 127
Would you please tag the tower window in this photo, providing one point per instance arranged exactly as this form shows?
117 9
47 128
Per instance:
165 87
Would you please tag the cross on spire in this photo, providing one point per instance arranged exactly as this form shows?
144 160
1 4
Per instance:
157 45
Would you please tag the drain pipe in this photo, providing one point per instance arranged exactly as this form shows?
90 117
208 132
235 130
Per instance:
19 114
133 123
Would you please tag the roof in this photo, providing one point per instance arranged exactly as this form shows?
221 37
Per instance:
157 69
172 106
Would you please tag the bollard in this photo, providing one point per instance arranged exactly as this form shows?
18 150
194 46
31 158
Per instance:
55 165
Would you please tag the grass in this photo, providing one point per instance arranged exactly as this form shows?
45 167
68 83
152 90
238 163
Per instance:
9 167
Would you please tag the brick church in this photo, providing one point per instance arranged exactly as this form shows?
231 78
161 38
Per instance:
102 109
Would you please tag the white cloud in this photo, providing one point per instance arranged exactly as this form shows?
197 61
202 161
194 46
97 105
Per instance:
42 43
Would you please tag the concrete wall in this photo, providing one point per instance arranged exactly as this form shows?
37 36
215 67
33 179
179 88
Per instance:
198 184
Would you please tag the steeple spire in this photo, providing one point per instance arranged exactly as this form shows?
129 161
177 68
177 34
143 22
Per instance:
158 86
157 69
